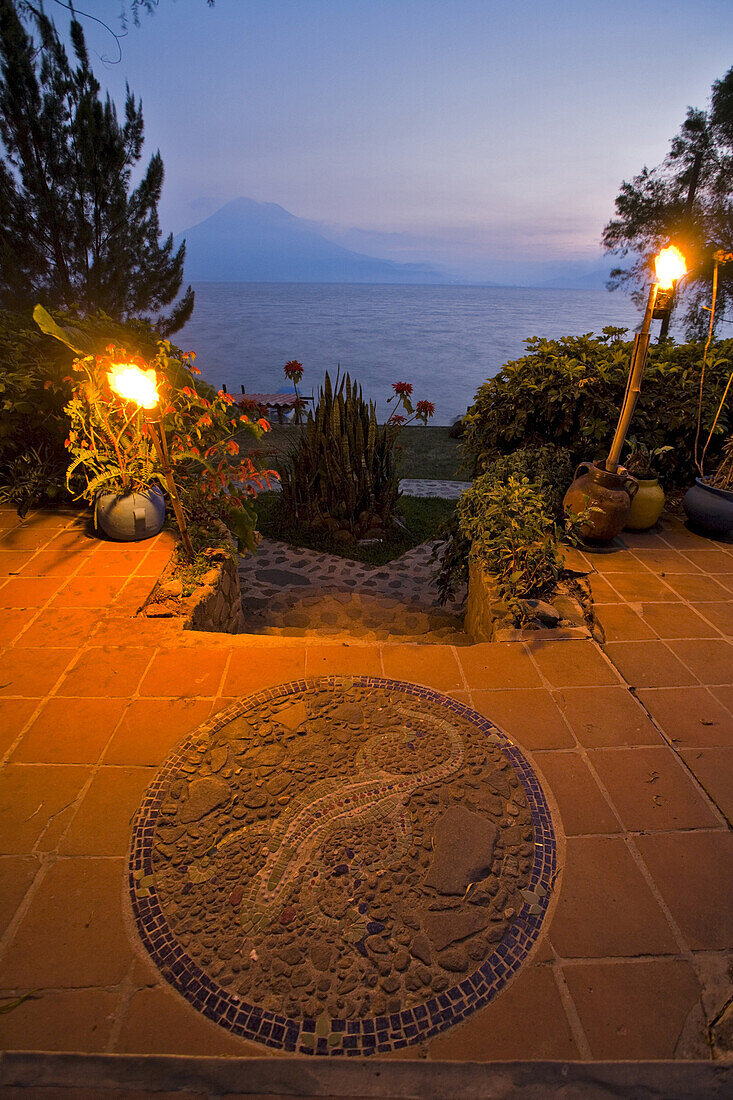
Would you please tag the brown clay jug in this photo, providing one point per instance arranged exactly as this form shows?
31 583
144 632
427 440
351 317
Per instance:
609 496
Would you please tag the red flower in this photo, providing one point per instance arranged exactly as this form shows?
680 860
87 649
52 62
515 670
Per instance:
233 447
264 424
395 418
424 410
293 370
402 388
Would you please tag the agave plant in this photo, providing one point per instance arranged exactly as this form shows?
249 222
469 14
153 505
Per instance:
342 471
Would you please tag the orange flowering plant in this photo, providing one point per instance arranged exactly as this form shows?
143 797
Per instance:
111 445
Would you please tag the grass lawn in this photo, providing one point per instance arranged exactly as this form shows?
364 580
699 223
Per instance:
422 517
421 452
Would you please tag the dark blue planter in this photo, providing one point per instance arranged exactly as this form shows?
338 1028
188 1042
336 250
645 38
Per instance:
132 517
709 509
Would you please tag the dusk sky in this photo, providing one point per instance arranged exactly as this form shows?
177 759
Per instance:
487 137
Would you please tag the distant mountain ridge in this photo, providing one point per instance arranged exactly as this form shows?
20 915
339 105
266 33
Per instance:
248 241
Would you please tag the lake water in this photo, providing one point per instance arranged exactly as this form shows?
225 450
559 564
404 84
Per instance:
446 340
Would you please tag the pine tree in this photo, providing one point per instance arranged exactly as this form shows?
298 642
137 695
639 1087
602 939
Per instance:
686 200
72 232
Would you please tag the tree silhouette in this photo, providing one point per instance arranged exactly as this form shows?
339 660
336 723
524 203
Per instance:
688 200
72 232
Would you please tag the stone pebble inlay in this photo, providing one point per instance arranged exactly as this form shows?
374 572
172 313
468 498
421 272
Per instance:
386 897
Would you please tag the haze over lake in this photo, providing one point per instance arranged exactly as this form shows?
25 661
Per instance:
446 340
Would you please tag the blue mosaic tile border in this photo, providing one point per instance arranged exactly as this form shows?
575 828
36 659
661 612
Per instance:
371 1035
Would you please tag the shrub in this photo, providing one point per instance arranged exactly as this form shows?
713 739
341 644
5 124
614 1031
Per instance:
570 391
513 535
341 474
540 476
33 391
32 478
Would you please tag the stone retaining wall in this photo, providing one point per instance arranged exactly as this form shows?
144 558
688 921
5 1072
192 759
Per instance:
219 604
487 618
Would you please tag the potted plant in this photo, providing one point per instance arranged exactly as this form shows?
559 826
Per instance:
648 501
112 451
709 503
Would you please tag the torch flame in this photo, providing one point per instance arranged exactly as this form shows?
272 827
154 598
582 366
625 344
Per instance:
133 384
670 266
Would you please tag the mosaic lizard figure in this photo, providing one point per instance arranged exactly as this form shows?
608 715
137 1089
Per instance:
373 792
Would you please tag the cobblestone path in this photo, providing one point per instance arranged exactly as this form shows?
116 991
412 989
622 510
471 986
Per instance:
297 592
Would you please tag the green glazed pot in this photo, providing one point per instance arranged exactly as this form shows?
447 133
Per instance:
646 505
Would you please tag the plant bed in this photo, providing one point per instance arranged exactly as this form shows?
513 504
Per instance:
204 593
565 611
423 518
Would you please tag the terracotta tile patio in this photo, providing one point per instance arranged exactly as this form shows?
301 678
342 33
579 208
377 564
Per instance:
633 741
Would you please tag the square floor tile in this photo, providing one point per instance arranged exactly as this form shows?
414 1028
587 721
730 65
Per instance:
643 585
694 872
662 560
152 728
32 796
689 716
606 716
621 623
525 1021
68 1020
253 670
28 591
102 823
69 731
73 934
157 1021
583 808
633 1010
185 672
714 769
711 660
106 670
697 588
69 627
32 673
493 665
652 790
434 666
669 620
572 664
527 715
649 664
606 907
343 660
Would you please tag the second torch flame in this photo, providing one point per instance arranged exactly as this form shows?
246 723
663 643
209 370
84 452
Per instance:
669 266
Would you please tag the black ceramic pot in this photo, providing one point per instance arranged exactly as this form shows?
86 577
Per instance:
709 509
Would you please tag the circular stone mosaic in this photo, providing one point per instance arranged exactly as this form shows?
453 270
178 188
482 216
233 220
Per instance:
342 866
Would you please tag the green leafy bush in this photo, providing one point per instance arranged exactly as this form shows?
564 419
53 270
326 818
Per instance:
570 391
34 388
540 476
341 475
513 535
32 478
